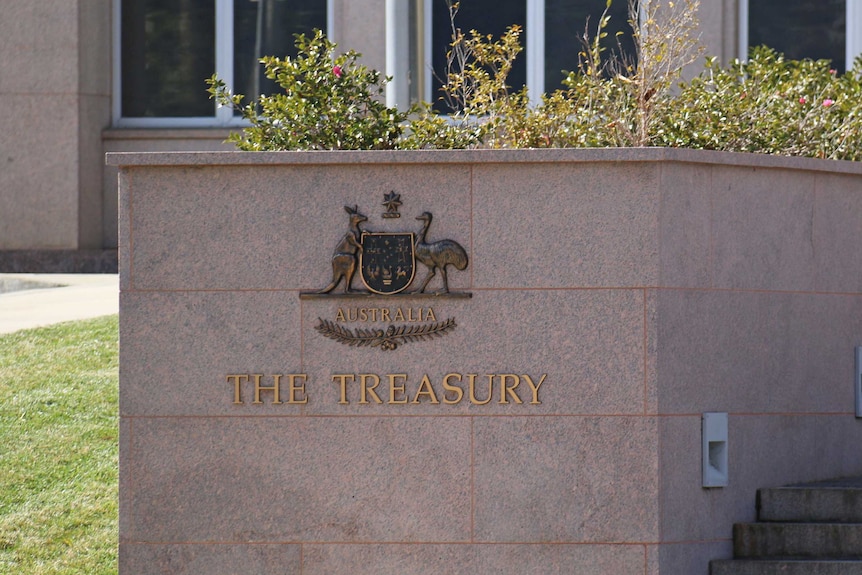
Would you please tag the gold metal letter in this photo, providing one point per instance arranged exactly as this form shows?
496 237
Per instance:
429 314
340 315
237 379
366 389
342 378
534 387
258 388
448 387
295 388
504 389
473 400
425 384
393 389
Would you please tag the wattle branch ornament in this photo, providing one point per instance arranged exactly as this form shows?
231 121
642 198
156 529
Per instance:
387 340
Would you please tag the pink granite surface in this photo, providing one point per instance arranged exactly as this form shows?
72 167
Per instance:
577 225
565 479
221 559
752 352
764 450
646 286
230 229
455 559
588 344
264 480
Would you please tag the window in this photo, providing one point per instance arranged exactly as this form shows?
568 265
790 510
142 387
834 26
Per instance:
552 29
168 48
826 29
566 21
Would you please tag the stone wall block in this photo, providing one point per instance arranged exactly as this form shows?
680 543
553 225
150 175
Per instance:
176 359
587 344
756 352
763 229
566 480
283 480
455 559
577 225
277 231
218 559
837 234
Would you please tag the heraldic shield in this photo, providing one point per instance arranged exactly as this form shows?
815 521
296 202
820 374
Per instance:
387 262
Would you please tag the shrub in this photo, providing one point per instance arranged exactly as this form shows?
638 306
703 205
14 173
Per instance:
766 105
329 103
482 108
769 105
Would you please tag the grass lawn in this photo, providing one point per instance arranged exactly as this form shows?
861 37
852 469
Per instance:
58 449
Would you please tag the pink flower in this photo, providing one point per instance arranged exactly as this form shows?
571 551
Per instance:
833 71
337 71
828 102
802 100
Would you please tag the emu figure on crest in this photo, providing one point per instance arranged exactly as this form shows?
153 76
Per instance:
438 255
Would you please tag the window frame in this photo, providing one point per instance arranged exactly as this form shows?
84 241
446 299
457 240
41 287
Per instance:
852 31
222 117
534 48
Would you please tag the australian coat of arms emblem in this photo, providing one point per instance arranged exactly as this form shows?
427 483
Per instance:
388 262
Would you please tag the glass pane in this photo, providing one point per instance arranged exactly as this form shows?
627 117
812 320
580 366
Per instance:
267 28
800 28
486 17
168 51
567 20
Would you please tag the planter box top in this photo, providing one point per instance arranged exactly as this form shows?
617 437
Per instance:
479 156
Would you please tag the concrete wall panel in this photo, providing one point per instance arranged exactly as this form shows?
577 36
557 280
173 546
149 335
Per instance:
39 179
39 42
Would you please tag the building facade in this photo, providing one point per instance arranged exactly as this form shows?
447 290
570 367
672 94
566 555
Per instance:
79 78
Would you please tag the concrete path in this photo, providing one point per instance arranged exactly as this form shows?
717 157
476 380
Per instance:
58 298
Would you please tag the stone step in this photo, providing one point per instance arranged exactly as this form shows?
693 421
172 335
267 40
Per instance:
789 540
785 567
837 501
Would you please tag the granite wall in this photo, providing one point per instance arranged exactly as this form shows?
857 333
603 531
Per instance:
616 295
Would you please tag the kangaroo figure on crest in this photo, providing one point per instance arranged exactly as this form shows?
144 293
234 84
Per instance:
344 258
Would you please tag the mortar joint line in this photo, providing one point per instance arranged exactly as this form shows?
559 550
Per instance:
646 559
472 482
645 352
472 243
